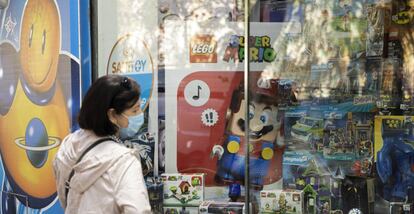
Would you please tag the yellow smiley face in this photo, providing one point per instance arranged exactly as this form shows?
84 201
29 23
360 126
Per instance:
40 44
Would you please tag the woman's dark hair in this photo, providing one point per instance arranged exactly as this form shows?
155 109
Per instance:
111 91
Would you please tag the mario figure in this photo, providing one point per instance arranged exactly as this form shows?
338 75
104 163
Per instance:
264 125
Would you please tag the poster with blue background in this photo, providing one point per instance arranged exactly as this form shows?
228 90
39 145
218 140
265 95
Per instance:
40 87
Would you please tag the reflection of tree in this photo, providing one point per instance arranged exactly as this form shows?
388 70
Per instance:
321 43
408 56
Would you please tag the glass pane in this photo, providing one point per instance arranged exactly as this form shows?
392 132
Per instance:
203 68
340 87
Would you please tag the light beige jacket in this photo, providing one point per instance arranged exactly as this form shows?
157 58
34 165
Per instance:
108 179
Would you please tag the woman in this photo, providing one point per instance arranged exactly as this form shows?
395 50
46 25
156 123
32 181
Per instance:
94 172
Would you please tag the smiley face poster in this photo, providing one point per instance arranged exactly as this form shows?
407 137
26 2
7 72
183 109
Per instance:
39 98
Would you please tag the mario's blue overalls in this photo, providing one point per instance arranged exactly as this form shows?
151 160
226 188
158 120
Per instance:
231 166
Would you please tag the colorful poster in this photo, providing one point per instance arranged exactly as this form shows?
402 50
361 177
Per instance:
39 98
204 83
127 46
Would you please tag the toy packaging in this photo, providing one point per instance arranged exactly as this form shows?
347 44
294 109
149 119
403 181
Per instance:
401 208
186 190
335 134
358 194
394 146
281 201
373 75
280 11
210 207
309 173
179 210
295 164
155 193
172 210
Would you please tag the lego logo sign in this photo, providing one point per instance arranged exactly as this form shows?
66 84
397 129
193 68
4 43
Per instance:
203 49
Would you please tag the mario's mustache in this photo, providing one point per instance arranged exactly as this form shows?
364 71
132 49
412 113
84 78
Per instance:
255 134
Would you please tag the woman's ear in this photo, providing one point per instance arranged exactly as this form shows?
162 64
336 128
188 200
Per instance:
112 116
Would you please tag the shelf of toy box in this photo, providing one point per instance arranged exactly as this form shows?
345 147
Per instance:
183 190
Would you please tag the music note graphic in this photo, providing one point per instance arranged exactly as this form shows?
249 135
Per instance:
196 97
199 97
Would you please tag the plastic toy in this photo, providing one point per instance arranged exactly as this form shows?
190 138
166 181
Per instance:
395 160
265 124
234 192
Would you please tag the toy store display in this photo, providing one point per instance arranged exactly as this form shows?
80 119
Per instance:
183 190
281 201
206 120
215 207
330 109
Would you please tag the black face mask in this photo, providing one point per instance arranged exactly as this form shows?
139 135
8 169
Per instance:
257 134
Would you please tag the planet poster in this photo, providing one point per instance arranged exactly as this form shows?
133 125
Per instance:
40 94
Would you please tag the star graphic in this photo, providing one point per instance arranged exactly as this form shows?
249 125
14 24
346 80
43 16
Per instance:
9 26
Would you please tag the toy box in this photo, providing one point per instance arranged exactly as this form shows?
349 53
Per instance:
184 190
319 179
390 87
293 140
394 150
155 194
373 74
302 168
172 210
349 137
280 11
358 194
179 210
335 134
208 207
338 143
281 201
401 208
